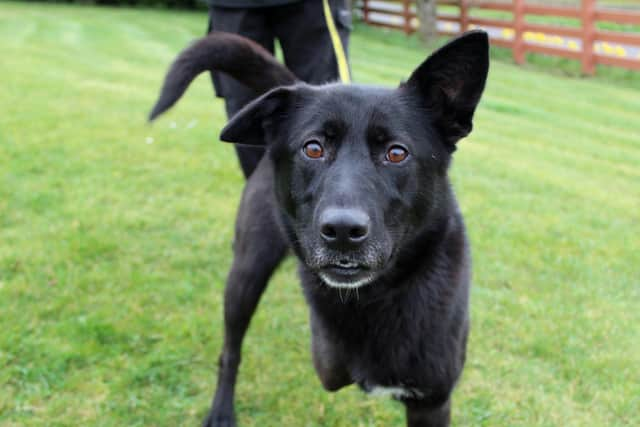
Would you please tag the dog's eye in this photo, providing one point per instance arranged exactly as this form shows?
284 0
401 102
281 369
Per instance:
396 154
313 150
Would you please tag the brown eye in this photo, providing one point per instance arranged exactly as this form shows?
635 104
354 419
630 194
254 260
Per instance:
313 150
396 154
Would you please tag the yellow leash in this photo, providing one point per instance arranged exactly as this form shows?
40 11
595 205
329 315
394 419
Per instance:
343 65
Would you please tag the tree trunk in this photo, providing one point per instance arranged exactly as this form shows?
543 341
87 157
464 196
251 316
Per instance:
426 11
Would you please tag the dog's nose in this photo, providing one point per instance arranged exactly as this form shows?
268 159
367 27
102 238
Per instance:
344 226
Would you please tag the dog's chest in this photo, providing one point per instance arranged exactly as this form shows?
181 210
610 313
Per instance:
389 362
387 375
387 345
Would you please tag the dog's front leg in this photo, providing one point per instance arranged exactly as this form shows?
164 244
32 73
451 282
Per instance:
421 415
329 357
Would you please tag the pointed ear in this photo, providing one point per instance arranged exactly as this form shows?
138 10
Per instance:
254 122
450 83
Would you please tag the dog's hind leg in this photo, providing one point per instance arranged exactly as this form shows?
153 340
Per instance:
258 249
246 282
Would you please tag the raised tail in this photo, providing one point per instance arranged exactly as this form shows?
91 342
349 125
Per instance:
241 58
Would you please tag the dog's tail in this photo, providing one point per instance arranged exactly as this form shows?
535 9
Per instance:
237 56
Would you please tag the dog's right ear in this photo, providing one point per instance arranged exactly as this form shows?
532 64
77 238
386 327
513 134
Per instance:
257 120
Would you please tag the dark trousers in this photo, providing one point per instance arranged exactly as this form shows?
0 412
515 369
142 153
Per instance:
302 33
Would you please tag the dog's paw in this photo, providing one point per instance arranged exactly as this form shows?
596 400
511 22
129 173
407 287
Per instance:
219 419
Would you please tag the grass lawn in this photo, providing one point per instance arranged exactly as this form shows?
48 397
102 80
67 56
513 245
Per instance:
115 240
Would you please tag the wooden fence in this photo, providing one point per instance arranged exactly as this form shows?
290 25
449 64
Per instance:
587 41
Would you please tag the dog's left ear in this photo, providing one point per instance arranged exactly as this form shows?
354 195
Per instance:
450 83
253 123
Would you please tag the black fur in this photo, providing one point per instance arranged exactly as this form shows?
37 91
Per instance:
354 217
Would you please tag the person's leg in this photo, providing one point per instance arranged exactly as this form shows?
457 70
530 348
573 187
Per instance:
250 23
306 42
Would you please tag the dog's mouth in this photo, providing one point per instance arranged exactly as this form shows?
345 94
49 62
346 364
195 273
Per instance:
346 274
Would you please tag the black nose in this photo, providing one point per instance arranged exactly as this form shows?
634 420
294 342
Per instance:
344 226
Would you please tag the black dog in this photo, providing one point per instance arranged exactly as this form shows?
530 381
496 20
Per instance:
355 182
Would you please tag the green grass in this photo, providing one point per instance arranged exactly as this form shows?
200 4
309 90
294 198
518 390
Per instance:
114 250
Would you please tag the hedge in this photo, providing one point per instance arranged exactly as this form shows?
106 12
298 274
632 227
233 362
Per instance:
172 4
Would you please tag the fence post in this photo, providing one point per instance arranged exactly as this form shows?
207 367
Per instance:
464 15
518 36
365 10
588 36
406 14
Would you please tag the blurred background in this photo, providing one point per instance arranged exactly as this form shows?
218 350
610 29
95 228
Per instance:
115 236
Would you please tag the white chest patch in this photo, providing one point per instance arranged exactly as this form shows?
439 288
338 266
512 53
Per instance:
396 392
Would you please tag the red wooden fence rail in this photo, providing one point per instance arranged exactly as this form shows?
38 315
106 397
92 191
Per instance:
587 43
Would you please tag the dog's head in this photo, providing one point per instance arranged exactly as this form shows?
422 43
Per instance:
359 170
